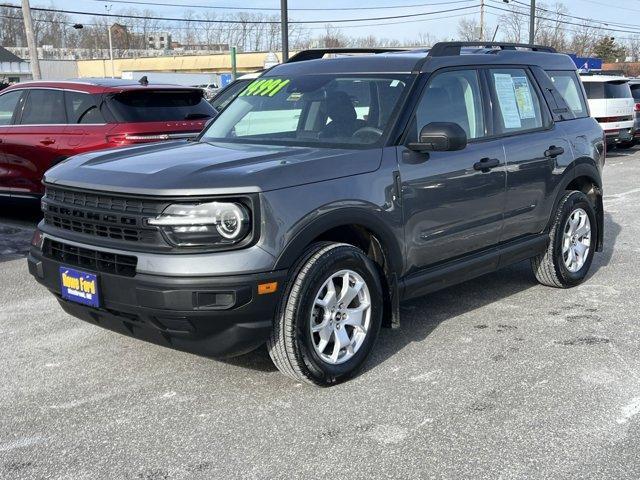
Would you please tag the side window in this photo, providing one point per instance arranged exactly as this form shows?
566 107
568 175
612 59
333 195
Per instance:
8 103
568 85
82 108
223 99
453 96
518 105
44 107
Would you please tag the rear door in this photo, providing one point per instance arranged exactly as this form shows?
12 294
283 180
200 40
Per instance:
33 145
10 105
87 129
534 149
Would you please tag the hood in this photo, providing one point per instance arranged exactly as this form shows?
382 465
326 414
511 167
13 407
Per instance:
199 168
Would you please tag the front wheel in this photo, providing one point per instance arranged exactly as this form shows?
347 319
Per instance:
572 243
330 315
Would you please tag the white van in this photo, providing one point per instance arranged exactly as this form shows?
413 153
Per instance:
611 104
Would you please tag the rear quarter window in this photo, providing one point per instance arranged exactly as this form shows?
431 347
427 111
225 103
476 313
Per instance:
159 106
568 85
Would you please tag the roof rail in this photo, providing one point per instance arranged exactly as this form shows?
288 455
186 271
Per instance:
317 53
445 49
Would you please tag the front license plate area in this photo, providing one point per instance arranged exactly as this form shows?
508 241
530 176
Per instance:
80 287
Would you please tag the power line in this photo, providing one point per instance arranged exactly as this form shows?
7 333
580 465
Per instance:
570 30
241 22
574 31
138 29
562 14
310 9
563 22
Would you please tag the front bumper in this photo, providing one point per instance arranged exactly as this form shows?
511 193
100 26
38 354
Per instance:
212 316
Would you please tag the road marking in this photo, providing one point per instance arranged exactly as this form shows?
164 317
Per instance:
622 195
629 411
21 443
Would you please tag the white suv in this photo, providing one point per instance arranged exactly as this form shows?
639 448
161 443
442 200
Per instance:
611 104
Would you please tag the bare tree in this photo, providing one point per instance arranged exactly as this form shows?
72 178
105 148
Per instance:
468 30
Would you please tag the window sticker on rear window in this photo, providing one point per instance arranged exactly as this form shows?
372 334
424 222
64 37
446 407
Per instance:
523 97
264 87
505 90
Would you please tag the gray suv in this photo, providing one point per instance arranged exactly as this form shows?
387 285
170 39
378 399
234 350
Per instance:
327 192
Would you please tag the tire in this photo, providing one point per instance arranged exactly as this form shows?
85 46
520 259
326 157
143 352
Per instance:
302 354
550 267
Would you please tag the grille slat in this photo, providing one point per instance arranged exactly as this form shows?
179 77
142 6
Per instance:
90 259
112 218
103 202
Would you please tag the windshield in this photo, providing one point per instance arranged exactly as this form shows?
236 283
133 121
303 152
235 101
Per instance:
313 110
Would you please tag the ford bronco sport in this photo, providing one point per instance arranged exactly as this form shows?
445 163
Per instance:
327 192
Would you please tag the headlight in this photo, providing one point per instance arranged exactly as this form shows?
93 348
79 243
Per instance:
214 223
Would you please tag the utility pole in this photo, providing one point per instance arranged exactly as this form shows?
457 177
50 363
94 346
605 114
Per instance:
482 20
284 26
532 23
113 72
234 64
31 40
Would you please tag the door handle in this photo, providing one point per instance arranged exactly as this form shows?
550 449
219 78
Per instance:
553 151
486 164
48 141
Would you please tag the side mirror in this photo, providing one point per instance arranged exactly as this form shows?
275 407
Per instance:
440 137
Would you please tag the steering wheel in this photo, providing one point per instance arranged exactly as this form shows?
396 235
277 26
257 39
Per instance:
368 134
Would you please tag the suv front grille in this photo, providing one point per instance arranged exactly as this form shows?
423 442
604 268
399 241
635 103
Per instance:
115 220
107 231
101 202
90 259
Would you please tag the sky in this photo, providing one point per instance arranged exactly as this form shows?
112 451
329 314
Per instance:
439 25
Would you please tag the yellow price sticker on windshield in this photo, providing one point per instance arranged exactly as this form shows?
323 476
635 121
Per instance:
266 87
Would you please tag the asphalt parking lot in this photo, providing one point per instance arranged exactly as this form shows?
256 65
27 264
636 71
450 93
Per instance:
497 378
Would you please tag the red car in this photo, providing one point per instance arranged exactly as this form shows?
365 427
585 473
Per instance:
42 123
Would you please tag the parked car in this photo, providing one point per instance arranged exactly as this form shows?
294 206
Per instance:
209 90
612 105
223 97
43 123
396 174
634 84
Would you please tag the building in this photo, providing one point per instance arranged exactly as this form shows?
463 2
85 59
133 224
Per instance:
159 41
212 63
13 69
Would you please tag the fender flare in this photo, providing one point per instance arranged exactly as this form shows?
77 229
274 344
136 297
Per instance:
584 168
352 216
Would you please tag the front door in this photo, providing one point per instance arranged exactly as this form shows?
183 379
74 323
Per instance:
10 105
452 204
32 147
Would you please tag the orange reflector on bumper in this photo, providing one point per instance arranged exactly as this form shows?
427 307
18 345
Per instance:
265 288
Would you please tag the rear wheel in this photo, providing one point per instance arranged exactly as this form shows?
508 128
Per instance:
572 242
330 315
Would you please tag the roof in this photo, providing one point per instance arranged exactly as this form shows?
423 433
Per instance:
448 54
603 78
97 85
7 56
